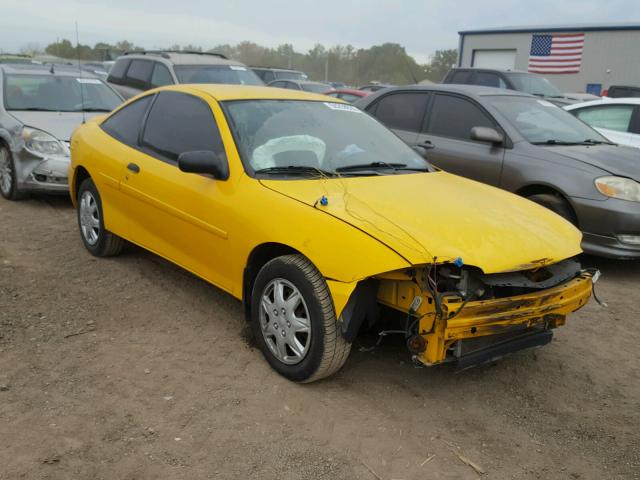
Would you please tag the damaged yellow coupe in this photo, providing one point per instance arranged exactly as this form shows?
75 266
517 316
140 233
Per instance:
320 220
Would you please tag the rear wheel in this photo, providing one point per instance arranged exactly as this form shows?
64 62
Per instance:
556 204
97 239
294 322
8 177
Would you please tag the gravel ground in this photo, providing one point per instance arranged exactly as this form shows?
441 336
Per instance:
130 368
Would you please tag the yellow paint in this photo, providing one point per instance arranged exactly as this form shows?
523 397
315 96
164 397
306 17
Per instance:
371 226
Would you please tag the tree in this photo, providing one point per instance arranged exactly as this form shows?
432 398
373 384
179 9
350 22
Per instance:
441 63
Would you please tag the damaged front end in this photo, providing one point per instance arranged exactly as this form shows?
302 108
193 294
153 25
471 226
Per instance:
456 313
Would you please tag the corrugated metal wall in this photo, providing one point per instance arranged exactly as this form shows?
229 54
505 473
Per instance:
617 51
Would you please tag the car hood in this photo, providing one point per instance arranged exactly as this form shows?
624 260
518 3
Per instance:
422 216
615 159
58 124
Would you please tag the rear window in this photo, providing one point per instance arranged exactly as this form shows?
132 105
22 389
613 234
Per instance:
139 73
230 74
125 124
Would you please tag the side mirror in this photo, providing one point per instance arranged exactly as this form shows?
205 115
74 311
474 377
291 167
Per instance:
487 134
204 161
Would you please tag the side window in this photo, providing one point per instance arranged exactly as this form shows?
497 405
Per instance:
278 84
403 111
116 74
460 76
613 117
125 124
161 76
268 76
179 123
139 73
488 79
454 117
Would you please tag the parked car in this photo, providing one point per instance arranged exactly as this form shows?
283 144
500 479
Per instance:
347 94
338 85
269 74
40 105
513 80
528 146
617 119
97 68
306 85
622 91
137 71
314 214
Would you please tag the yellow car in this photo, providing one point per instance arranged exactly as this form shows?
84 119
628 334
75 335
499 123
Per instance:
315 216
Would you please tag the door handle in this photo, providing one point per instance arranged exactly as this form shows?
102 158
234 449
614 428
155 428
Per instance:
132 167
427 144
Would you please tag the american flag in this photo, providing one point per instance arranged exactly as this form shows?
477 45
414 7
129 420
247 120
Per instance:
556 53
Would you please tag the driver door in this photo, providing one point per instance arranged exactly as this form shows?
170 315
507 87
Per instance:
183 217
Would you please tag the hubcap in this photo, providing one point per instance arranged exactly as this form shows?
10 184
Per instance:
285 321
89 218
6 175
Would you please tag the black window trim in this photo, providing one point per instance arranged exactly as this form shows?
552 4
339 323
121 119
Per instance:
507 144
155 153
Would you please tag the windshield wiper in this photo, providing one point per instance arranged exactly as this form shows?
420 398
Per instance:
32 109
378 166
297 170
93 110
591 141
553 141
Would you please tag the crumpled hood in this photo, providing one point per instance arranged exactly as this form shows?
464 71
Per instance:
422 216
618 160
58 124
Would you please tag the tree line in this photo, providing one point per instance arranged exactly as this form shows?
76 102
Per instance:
387 63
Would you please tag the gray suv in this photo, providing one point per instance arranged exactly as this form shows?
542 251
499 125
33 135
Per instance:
40 106
528 146
137 71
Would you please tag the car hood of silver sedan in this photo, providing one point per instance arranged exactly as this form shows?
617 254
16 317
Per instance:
59 124
614 159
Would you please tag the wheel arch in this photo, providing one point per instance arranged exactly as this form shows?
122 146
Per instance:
80 174
541 188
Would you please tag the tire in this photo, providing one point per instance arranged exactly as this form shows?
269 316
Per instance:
324 350
556 204
8 177
98 240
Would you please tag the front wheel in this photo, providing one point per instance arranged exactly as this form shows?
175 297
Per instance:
294 321
556 204
8 176
97 239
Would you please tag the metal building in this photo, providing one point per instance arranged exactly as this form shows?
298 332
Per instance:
576 58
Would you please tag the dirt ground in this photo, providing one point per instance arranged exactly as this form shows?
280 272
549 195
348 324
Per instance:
130 368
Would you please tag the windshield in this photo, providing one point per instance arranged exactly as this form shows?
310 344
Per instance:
533 84
230 74
315 87
58 93
326 136
540 121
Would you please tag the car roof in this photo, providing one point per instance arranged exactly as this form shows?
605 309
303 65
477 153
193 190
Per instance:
182 58
472 90
605 101
501 70
223 92
45 69
275 69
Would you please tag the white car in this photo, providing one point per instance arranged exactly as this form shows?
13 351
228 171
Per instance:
618 119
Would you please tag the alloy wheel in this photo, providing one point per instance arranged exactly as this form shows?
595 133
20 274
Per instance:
6 172
89 218
285 321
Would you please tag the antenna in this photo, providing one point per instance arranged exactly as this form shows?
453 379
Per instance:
80 71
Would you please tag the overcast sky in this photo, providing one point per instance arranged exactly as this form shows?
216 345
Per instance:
421 26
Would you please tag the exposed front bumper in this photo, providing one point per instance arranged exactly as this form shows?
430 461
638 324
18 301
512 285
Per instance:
602 220
539 311
42 175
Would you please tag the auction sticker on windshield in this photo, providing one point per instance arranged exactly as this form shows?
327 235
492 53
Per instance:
343 107
92 81
544 103
237 67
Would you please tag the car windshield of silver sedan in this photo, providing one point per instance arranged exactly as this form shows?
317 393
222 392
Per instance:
316 139
543 123
232 74
57 93
525 82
